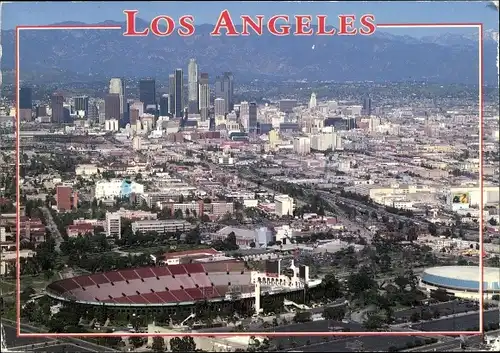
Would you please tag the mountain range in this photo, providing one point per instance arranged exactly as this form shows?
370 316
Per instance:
85 55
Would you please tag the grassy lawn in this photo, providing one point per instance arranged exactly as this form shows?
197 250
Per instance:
399 306
9 310
38 283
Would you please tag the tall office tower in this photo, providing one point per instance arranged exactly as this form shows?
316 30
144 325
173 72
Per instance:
171 94
252 118
367 106
219 107
82 104
25 98
164 104
179 93
147 92
56 103
312 101
112 106
230 91
25 104
41 110
224 89
93 112
204 98
193 86
101 110
244 109
117 86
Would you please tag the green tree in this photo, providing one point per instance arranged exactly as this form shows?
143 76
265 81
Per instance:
137 341
432 229
361 282
373 322
335 313
415 317
302 316
401 282
158 344
184 344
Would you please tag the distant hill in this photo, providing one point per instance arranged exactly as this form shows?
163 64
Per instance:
48 55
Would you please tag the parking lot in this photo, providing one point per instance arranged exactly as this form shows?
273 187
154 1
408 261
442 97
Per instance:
458 323
356 344
42 344
332 343
447 308
12 340
66 348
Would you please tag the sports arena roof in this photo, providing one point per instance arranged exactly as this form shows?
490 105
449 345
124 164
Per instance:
170 285
462 278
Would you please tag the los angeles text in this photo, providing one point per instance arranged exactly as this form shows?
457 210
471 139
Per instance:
278 25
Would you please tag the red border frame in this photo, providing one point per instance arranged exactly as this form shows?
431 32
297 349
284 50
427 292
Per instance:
478 26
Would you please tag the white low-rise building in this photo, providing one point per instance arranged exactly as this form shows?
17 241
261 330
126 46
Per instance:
283 205
116 188
161 226
86 170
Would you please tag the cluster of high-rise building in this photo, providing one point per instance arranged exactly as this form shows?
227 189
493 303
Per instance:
116 106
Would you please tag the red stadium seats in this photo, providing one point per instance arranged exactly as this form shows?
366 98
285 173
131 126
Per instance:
156 285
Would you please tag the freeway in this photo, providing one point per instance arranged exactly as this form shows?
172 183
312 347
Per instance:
352 226
332 199
51 225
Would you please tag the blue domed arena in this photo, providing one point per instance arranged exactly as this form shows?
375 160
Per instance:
461 279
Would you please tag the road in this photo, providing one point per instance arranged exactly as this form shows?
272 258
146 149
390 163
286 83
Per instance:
51 225
453 345
25 344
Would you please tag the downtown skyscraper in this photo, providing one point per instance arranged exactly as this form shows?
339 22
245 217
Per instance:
224 89
81 104
252 118
112 106
25 98
147 92
171 94
179 93
117 86
193 95
57 106
25 103
164 106
204 96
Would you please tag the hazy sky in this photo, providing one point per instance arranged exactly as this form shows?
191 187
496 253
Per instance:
33 13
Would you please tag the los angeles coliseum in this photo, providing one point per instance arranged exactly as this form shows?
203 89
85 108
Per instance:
177 285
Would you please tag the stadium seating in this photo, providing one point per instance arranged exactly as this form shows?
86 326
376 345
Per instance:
156 285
